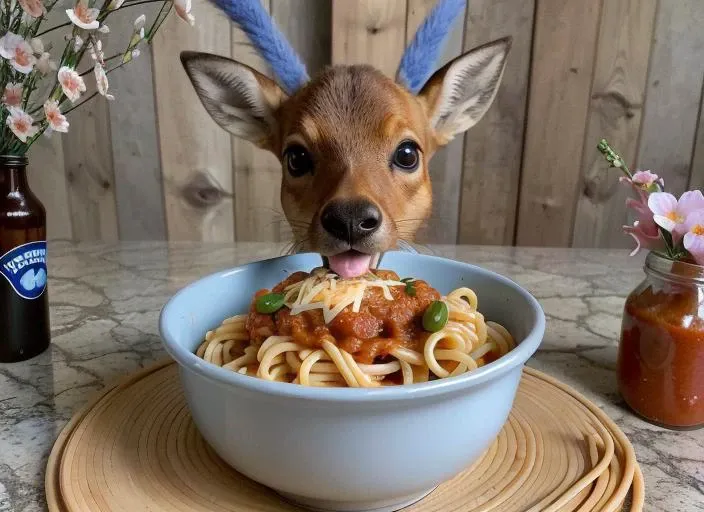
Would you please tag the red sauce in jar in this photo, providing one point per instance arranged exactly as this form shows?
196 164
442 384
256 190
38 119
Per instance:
661 354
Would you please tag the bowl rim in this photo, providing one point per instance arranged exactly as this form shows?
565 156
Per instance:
517 357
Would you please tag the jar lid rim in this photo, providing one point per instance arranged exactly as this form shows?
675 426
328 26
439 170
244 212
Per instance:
674 269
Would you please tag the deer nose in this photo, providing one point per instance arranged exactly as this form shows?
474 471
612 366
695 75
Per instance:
351 221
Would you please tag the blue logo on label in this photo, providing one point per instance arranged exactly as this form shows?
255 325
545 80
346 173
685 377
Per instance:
25 268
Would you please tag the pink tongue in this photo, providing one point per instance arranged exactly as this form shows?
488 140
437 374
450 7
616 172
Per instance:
350 264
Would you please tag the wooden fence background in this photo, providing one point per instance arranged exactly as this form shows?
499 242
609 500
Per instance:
152 165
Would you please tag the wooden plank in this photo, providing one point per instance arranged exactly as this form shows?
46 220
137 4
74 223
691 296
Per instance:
674 92
307 24
89 172
195 152
135 145
48 182
697 172
494 148
446 164
256 172
369 32
616 108
563 58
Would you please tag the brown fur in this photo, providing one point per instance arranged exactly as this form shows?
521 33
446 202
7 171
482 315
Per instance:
350 119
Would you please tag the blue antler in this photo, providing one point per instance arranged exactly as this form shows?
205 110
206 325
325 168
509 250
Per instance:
269 41
419 59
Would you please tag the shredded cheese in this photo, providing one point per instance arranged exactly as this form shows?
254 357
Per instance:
358 297
326 291
300 308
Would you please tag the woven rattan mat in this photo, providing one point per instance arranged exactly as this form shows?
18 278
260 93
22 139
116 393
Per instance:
136 448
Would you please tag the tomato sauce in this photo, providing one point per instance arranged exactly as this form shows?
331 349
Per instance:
661 355
369 335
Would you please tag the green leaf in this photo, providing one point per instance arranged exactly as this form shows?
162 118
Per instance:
410 289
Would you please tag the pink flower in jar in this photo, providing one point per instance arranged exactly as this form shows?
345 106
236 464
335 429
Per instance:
83 16
694 235
12 97
71 83
670 213
18 51
646 236
35 8
56 120
21 124
646 178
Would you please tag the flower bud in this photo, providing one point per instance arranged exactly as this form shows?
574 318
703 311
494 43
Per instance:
139 22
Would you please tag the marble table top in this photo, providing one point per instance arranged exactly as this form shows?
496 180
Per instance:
105 300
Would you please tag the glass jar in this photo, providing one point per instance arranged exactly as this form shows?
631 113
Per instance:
661 354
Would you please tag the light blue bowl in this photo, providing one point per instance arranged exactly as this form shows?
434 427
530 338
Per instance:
347 449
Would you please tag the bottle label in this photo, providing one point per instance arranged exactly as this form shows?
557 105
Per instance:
25 269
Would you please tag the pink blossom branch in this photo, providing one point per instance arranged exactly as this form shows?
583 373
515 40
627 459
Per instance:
107 13
112 57
81 103
158 21
53 28
107 72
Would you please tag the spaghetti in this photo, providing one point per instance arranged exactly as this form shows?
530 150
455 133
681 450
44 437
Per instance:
363 332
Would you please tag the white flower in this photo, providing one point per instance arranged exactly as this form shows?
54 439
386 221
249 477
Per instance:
57 121
33 8
136 53
96 52
12 97
183 11
77 43
141 33
115 4
139 22
101 81
104 29
18 51
37 45
71 83
45 65
21 124
83 16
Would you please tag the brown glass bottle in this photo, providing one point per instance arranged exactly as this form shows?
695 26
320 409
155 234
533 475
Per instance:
24 303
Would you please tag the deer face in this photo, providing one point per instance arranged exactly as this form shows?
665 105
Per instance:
354 146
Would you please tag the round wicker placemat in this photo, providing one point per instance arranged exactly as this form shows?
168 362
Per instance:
136 448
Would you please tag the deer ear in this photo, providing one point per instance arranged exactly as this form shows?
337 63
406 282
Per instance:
461 92
237 97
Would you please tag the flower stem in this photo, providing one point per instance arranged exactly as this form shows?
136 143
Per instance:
54 28
158 21
112 57
81 103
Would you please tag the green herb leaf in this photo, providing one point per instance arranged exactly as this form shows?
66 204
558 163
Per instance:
410 289
269 303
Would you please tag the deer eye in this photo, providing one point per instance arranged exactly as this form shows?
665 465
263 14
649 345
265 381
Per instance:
298 161
406 157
